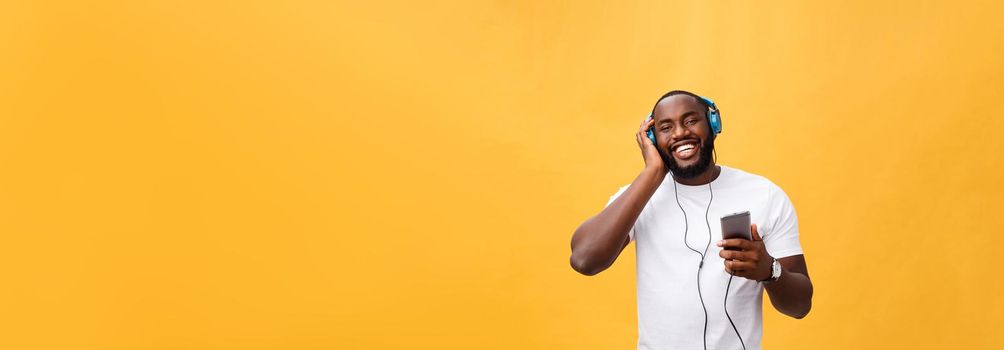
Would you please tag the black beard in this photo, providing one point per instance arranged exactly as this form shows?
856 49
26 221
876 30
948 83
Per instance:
703 162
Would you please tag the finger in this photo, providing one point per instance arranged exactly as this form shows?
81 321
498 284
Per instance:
738 268
728 268
646 123
643 138
736 243
756 235
738 265
733 255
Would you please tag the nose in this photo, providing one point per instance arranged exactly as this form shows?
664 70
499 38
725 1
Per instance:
678 133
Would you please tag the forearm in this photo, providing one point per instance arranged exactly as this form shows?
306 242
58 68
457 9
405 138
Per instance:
599 240
791 294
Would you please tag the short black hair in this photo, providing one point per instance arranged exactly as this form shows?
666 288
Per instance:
699 99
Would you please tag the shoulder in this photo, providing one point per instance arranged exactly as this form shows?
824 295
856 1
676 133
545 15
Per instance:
758 184
619 192
737 177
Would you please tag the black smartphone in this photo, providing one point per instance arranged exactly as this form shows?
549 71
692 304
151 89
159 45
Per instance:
736 225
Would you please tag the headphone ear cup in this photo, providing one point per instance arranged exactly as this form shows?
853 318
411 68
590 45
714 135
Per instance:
714 117
651 133
716 122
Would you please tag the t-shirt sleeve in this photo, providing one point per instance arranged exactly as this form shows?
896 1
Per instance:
614 197
781 237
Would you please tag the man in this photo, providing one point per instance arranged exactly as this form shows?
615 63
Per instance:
690 296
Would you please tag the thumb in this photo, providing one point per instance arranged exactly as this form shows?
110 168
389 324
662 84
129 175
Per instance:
756 235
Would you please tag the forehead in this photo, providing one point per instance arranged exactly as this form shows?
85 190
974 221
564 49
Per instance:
677 105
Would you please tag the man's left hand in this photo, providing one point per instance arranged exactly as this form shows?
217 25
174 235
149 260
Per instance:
749 259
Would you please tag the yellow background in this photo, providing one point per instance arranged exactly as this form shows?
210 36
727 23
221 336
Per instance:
376 175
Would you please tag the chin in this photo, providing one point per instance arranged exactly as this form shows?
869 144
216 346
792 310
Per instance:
687 165
691 168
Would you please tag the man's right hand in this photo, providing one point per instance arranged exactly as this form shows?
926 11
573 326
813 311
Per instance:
648 150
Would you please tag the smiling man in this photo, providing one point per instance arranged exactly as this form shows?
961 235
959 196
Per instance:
695 290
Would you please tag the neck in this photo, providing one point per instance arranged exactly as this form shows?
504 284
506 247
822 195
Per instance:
703 178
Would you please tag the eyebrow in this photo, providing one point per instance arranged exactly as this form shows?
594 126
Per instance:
684 116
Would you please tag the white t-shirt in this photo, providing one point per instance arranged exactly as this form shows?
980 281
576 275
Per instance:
670 315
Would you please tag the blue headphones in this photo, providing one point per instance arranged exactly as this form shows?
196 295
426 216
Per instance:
714 119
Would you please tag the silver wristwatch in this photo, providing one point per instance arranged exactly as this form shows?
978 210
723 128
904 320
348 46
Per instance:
775 272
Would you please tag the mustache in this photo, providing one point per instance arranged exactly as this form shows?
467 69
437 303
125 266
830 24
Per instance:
703 162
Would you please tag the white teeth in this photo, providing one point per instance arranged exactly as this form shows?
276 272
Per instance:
685 148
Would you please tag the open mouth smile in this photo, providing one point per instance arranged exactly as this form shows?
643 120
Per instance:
685 149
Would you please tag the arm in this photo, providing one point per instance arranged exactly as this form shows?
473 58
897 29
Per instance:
791 294
600 239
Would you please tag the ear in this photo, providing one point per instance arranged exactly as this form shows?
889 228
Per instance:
756 235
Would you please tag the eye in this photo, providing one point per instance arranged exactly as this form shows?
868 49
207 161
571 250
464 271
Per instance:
691 121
